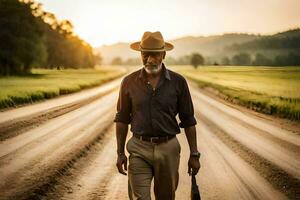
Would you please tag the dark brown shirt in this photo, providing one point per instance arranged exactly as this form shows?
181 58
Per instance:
153 112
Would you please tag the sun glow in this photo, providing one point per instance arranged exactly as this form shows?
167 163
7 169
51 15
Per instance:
104 22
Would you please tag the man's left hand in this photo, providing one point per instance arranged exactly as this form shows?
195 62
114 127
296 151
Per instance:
193 165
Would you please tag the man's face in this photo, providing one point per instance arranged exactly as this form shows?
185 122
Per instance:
152 61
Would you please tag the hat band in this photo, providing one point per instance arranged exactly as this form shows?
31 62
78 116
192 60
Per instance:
152 48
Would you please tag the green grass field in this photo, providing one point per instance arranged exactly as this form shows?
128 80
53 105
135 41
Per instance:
271 90
45 84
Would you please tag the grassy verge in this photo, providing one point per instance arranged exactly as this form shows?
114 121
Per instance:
270 90
45 84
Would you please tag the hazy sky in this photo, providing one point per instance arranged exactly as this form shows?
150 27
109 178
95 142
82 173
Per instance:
109 21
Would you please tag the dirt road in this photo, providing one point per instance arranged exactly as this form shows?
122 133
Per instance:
71 155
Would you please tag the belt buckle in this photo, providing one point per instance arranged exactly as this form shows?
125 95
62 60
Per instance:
154 138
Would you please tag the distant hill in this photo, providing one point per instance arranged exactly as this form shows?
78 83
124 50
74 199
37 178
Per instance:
289 33
284 40
279 49
215 48
208 46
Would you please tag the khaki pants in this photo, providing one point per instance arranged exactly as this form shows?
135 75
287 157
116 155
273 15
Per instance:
148 160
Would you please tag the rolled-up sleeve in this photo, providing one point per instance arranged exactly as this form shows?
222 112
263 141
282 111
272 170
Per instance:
124 104
186 109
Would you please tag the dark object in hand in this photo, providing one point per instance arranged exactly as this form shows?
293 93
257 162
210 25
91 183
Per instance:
195 194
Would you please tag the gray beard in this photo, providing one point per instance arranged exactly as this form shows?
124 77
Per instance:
153 71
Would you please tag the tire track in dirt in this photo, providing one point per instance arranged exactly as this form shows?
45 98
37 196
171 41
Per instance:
234 176
283 129
278 177
287 160
89 176
51 154
73 156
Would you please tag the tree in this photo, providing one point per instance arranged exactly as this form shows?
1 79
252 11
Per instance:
65 48
31 37
22 40
197 59
261 60
291 59
225 61
241 59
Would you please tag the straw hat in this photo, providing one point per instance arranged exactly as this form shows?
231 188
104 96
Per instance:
152 41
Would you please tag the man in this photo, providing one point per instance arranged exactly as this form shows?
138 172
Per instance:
149 100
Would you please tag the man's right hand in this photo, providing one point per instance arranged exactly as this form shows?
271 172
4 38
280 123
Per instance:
122 160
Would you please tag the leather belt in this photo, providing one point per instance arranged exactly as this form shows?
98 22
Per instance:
155 140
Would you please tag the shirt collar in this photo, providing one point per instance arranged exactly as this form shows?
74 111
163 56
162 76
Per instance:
166 73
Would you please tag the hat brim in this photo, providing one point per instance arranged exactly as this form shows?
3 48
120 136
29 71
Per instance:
136 46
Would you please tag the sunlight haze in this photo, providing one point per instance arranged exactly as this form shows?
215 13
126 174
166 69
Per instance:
105 22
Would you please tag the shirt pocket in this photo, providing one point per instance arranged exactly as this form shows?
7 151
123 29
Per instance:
139 100
167 102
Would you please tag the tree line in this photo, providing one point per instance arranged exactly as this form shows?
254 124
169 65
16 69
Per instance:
194 59
31 37
281 49
259 59
285 40
239 59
